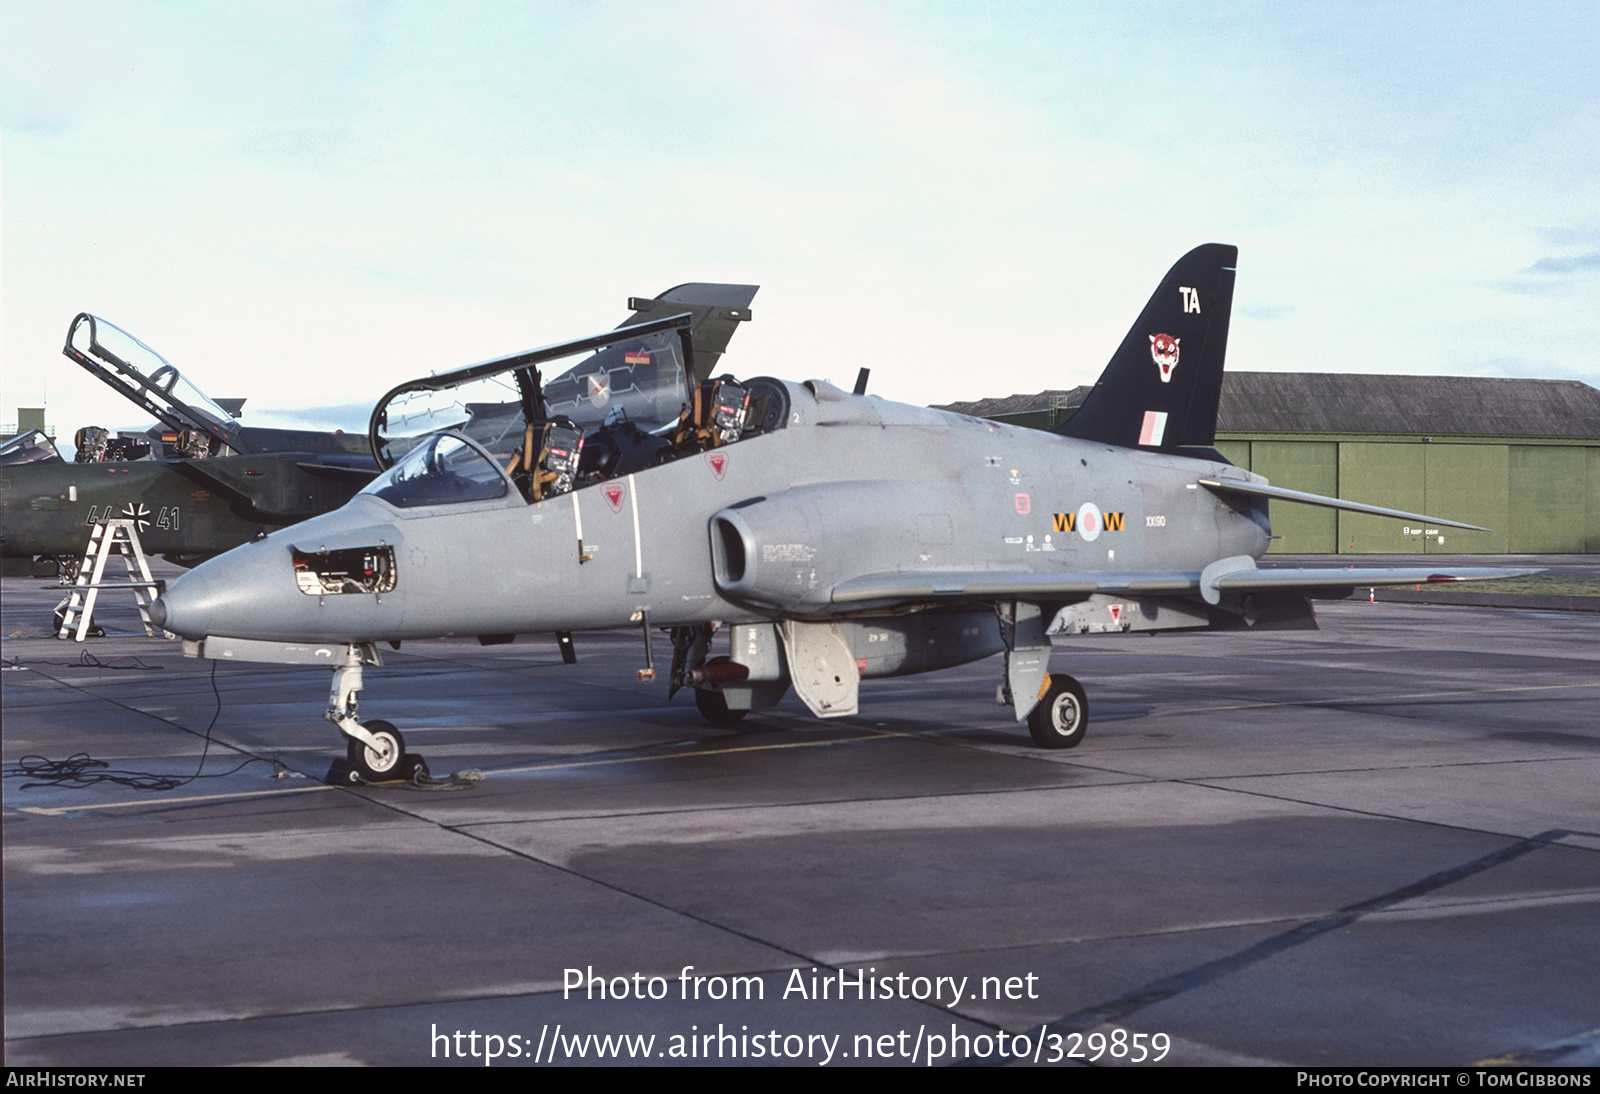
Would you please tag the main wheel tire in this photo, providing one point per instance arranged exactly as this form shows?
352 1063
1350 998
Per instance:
1062 716
373 765
713 705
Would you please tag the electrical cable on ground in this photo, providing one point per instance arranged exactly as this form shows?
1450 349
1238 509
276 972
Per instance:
87 660
458 780
82 770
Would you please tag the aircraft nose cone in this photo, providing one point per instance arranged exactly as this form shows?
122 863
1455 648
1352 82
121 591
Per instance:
252 592
185 608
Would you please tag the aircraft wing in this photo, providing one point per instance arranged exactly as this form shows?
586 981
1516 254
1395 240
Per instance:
998 584
1229 575
343 472
273 496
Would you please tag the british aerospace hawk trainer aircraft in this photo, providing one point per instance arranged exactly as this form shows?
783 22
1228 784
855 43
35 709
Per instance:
836 536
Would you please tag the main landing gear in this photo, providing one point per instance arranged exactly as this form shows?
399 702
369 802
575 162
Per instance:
1062 716
1055 707
692 669
713 705
376 751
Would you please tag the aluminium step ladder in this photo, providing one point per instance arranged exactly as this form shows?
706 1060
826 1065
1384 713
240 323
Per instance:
107 538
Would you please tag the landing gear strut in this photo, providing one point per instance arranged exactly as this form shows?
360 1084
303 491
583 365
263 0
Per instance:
376 751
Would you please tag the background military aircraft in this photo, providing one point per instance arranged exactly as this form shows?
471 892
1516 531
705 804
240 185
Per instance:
836 536
198 482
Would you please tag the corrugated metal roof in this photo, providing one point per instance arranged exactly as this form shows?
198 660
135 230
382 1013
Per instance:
1320 402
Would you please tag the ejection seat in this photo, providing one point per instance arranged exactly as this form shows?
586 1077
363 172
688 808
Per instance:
559 444
716 418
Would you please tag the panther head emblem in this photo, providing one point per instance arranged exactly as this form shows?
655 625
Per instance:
1164 349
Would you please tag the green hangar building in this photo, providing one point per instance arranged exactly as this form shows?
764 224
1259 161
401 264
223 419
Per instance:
1519 456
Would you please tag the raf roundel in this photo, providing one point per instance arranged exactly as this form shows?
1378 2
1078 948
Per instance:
1089 522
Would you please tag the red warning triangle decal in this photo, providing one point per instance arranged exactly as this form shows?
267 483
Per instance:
613 495
1116 613
718 462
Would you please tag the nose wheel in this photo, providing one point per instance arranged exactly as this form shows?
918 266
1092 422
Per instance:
382 761
388 761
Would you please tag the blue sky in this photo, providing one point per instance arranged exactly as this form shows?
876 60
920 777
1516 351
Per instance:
305 204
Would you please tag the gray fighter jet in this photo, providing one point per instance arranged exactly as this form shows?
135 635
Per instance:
831 536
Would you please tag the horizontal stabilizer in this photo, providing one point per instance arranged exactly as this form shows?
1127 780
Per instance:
1359 577
1261 490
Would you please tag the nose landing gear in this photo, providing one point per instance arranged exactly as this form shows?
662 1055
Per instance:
376 752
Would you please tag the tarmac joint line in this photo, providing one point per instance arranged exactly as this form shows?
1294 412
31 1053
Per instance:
1158 991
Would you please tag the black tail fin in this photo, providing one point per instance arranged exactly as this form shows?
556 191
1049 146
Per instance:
1162 385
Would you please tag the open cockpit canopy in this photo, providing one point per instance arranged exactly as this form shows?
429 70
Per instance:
632 402
34 446
636 374
151 382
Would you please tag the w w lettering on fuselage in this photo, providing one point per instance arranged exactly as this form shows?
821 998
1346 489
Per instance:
1089 522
